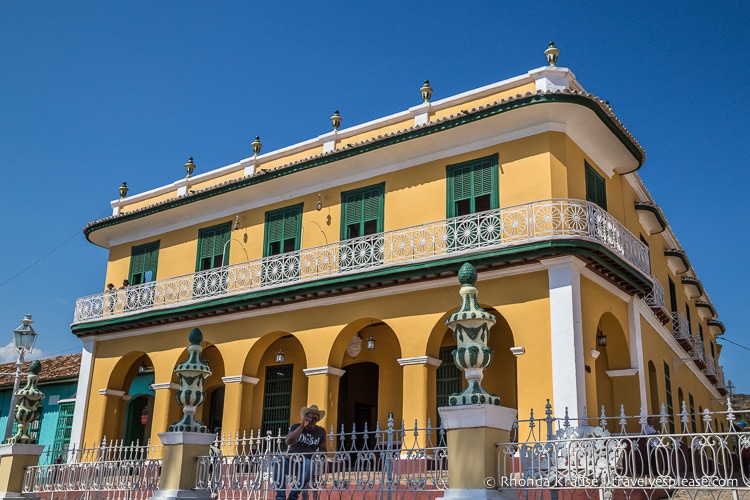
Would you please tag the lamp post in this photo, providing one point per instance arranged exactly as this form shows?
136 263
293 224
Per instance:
24 337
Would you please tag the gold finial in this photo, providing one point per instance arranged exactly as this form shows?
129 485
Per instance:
256 145
189 167
552 52
426 91
123 190
336 120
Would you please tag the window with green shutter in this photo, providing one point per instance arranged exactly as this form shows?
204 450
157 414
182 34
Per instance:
362 212
143 260
211 242
668 395
62 431
473 186
282 230
448 379
596 187
277 399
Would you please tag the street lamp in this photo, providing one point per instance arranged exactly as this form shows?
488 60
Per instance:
24 337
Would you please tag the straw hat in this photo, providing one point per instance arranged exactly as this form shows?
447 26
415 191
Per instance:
312 409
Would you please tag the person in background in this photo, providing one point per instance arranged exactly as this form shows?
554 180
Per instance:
304 438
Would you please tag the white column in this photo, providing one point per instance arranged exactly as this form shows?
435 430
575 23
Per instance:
566 336
83 392
636 348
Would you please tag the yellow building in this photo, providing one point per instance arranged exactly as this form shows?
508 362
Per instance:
322 273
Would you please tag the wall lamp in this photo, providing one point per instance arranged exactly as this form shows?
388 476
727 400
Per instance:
280 356
319 205
601 339
371 343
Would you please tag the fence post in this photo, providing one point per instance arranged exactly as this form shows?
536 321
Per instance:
187 439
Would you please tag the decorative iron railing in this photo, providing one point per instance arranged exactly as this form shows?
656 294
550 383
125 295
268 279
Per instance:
389 463
655 298
680 327
625 456
505 227
109 470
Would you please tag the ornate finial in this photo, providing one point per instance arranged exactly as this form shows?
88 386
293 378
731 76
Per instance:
336 120
467 275
123 190
192 375
552 52
195 337
29 400
189 167
426 91
471 330
256 145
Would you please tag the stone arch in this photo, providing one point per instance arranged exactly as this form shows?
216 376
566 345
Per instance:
377 367
128 386
616 383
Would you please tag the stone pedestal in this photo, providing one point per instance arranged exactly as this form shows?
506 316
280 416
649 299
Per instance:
179 464
471 433
14 458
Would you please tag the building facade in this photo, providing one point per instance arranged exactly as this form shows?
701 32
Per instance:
322 273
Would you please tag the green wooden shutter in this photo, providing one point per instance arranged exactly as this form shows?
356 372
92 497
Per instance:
448 379
596 186
362 208
282 230
472 186
277 399
668 387
211 241
143 258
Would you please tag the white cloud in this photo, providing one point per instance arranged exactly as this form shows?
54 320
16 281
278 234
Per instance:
9 354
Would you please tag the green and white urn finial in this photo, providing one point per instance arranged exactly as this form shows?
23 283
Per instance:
192 375
471 330
29 400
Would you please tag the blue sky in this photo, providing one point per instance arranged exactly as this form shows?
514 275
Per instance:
94 93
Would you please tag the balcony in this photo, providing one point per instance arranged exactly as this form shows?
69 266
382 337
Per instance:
505 228
681 331
655 301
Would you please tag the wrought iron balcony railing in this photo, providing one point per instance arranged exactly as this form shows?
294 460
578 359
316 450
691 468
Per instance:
655 298
493 229
681 328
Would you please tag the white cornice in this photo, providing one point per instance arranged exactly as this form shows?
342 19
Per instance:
625 372
419 360
111 392
165 385
244 379
324 370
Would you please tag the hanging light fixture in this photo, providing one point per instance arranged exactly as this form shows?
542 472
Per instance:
280 356
319 205
144 415
123 190
371 343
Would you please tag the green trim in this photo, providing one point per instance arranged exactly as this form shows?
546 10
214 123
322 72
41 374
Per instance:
473 182
286 212
210 234
718 324
591 250
648 207
135 252
349 152
377 190
706 305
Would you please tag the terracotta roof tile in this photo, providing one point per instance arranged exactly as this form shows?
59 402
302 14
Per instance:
59 368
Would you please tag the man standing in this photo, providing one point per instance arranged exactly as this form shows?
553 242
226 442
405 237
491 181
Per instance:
303 440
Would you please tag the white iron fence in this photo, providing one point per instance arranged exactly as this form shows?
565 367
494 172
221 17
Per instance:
390 463
108 471
624 457
494 229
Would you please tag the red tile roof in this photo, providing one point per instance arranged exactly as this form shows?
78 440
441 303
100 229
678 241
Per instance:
59 368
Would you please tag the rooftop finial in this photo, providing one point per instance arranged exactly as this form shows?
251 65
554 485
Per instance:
552 52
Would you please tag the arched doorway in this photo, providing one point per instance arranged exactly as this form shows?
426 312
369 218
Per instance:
358 401
138 417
